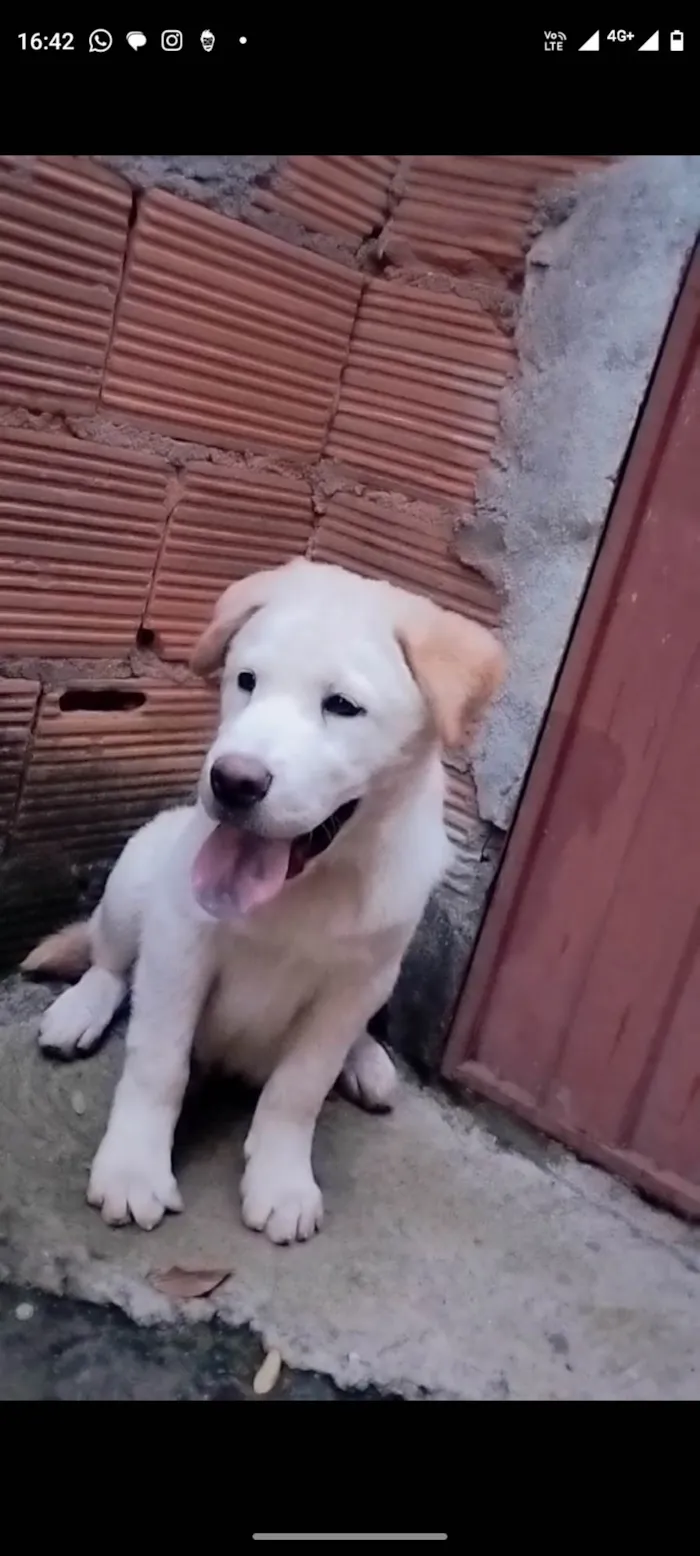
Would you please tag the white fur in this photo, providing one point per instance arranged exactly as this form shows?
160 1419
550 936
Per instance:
76 1020
282 996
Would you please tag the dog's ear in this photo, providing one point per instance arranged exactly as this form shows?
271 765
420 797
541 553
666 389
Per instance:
457 664
234 607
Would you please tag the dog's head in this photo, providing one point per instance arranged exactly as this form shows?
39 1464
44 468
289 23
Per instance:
330 684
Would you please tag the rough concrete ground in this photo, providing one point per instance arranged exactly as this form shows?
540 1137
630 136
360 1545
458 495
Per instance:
58 1348
448 1267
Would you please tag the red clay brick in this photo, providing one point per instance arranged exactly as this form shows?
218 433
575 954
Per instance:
462 825
343 196
456 210
17 705
95 776
419 401
409 547
80 526
227 333
63 230
228 523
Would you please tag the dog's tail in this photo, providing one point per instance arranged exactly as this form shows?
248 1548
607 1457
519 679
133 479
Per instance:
67 954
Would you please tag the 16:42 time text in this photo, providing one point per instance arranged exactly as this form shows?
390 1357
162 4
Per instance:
39 40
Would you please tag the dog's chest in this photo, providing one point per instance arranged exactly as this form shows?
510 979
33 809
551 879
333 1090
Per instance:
257 994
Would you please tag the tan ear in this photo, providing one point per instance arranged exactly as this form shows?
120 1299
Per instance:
458 666
234 607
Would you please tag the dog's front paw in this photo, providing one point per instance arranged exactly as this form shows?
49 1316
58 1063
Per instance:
133 1182
280 1197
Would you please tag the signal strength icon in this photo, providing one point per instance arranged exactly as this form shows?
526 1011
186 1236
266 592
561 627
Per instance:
591 45
651 46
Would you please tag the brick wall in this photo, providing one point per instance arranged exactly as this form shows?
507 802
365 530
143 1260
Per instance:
185 397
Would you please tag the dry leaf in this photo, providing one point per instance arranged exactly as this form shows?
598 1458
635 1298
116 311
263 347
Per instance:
268 1373
187 1283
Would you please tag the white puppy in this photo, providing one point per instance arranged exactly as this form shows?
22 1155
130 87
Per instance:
267 923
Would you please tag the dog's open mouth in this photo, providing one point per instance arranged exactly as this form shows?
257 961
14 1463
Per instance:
237 871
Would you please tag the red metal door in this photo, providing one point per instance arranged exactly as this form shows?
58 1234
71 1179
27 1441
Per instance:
581 1009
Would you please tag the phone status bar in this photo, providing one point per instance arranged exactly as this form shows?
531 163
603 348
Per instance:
620 40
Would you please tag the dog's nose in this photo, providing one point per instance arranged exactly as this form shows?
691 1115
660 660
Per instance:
239 782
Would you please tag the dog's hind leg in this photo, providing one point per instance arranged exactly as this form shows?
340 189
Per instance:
66 954
73 1025
369 1076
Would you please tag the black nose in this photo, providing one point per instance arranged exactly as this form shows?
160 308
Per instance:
239 782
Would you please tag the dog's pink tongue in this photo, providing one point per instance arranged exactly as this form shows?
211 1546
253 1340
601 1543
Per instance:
235 872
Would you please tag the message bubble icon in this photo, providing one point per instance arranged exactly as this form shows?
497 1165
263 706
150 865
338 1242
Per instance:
136 40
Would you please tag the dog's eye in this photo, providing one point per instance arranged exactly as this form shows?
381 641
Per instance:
342 707
246 681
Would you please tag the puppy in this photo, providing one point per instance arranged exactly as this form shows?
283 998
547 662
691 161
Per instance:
266 924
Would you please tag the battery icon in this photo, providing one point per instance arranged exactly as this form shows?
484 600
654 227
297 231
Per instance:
676 42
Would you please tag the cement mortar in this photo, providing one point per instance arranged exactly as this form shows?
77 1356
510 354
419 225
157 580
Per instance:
432 972
598 294
223 183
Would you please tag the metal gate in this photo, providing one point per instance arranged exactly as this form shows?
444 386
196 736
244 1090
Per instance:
581 1009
